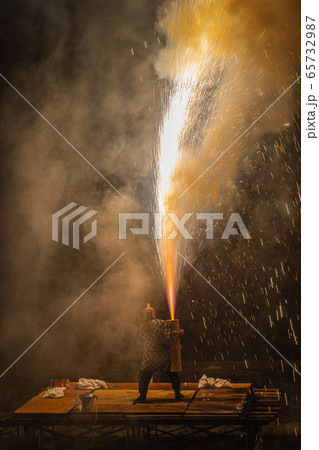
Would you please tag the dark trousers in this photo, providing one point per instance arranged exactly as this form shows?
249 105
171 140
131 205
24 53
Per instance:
145 378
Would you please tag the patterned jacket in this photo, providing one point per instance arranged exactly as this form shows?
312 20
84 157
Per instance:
156 335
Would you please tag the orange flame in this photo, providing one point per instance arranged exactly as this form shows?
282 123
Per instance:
170 277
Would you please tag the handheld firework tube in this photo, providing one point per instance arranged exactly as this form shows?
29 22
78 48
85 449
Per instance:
175 349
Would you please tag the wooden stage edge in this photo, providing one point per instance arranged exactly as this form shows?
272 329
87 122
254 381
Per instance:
242 403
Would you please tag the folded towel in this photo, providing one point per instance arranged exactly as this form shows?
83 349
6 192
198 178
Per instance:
215 383
90 383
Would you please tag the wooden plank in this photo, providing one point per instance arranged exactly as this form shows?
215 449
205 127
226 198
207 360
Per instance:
213 394
40 405
145 409
163 386
158 402
126 396
47 406
152 386
219 401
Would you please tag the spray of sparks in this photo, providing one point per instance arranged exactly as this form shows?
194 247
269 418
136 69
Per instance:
182 104
170 134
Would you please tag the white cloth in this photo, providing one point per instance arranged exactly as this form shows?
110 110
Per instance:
215 383
56 392
90 383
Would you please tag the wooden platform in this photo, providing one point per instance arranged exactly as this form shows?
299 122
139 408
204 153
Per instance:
117 401
242 406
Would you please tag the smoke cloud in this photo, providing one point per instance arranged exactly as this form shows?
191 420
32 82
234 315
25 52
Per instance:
92 79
